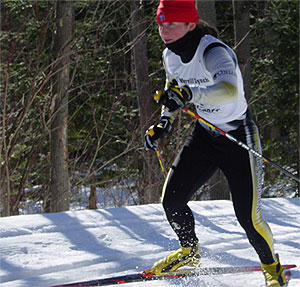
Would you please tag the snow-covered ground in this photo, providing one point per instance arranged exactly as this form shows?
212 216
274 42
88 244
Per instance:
49 249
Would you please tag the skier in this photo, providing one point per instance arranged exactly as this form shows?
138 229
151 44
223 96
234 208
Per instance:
202 70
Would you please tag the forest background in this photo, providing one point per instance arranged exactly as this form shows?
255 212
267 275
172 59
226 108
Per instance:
77 86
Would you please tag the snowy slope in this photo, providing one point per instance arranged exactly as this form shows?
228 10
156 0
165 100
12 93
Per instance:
49 249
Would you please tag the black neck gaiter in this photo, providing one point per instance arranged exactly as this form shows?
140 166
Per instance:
186 46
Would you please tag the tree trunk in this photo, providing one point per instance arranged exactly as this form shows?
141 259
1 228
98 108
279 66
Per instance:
242 41
298 148
60 185
5 188
4 178
92 198
207 12
4 197
218 186
151 191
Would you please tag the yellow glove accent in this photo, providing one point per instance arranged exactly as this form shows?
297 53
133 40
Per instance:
176 89
157 95
150 131
173 82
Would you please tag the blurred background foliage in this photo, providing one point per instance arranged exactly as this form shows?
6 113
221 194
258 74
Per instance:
105 144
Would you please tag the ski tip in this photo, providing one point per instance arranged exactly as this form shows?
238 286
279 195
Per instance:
147 273
289 266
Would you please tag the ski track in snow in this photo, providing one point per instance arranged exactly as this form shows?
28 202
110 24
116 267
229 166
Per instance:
49 249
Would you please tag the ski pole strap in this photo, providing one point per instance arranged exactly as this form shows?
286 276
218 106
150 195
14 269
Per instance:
161 161
243 145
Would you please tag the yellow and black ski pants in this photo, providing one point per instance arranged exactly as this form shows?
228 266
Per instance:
204 152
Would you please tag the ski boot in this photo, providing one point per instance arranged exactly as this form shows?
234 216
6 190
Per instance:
274 274
184 256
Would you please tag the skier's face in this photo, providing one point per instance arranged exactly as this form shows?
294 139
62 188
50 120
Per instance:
173 31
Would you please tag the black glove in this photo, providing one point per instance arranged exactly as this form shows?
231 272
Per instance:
174 97
157 131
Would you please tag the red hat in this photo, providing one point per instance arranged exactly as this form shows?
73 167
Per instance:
177 11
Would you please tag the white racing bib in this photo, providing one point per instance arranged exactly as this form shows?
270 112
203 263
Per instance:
196 76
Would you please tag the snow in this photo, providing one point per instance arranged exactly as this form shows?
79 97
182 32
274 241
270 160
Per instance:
50 249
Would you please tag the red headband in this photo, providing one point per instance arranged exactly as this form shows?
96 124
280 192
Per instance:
177 11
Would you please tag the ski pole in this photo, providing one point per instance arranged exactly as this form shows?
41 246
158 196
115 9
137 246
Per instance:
161 162
240 143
